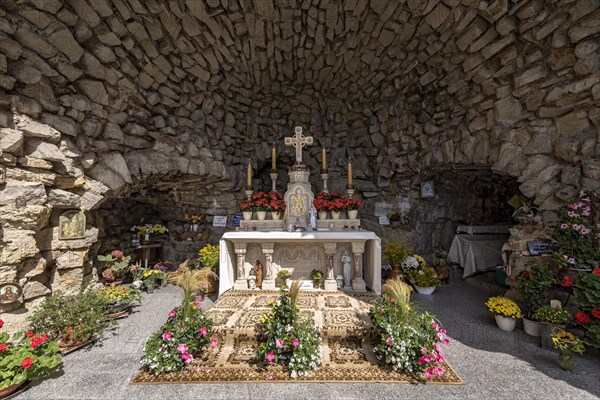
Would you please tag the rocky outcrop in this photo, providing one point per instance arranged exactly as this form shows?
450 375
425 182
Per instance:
100 99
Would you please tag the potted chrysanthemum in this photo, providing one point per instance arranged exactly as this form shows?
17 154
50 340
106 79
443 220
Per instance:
425 280
505 311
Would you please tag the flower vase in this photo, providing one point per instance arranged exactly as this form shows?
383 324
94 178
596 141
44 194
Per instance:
565 360
505 323
247 215
147 237
531 327
352 214
396 273
261 215
322 214
150 287
425 290
335 214
275 215
194 227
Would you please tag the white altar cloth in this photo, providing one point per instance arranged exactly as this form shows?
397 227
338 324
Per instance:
371 256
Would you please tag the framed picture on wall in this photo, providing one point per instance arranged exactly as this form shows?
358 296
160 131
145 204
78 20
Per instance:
427 189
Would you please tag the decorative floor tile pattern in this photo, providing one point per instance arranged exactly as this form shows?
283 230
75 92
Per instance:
345 328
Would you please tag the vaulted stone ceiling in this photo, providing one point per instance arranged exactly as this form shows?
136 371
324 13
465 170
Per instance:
398 85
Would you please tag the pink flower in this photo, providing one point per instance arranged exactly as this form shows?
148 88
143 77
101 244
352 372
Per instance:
445 341
564 226
423 350
296 342
166 335
270 356
198 303
572 214
571 260
214 343
389 341
271 377
440 358
429 373
576 227
279 343
187 357
172 314
439 371
438 348
585 231
203 331
117 254
421 360
182 348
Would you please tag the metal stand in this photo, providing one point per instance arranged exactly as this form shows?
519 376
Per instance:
324 176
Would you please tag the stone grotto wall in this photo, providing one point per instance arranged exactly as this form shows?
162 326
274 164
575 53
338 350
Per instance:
103 100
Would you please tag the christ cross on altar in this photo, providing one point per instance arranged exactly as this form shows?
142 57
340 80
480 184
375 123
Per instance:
298 141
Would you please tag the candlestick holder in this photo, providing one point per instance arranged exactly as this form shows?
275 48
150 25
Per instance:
249 192
273 180
324 176
350 190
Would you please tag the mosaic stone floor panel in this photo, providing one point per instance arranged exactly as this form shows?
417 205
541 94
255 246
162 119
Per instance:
342 318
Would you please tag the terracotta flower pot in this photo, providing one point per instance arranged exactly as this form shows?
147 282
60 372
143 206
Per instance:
12 389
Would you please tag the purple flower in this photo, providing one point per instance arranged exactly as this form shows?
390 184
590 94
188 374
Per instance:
279 343
571 260
585 231
564 226
572 214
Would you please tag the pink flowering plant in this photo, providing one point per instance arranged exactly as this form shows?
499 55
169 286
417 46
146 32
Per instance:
117 265
287 340
576 233
407 340
178 341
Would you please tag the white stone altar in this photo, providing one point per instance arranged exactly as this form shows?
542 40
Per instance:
300 253
269 242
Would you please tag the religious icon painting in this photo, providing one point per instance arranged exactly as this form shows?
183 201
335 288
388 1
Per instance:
427 189
10 292
71 225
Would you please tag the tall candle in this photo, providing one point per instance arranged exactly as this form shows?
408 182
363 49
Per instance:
349 173
273 159
249 180
324 159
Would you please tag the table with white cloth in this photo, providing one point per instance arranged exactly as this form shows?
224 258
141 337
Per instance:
475 229
477 252
299 253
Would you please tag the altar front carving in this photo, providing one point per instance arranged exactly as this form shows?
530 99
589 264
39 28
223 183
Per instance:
299 243
299 253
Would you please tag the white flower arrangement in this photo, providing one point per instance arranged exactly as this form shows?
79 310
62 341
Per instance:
410 263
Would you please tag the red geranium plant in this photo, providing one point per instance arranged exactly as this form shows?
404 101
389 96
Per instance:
330 201
26 357
276 202
353 204
261 201
246 205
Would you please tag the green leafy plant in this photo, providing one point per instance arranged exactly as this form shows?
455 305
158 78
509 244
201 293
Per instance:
533 284
396 253
287 340
316 275
525 210
586 294
425 277
209 255
555 316
406 339
117 265
72 319
120 294
26 357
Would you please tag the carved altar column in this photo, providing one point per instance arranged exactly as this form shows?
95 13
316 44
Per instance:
358 283
240 252
330 249
269 281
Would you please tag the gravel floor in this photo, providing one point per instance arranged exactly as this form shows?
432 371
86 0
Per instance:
494 364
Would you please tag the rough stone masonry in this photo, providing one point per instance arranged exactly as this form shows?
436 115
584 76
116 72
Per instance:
99 98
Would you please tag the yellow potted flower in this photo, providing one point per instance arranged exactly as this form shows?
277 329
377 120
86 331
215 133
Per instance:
505 311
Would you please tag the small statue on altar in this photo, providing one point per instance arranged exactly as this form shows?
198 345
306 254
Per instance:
259 273
346 262
313 217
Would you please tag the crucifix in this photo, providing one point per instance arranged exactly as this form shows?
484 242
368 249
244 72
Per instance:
298 141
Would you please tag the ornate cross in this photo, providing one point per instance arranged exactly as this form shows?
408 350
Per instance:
298 141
